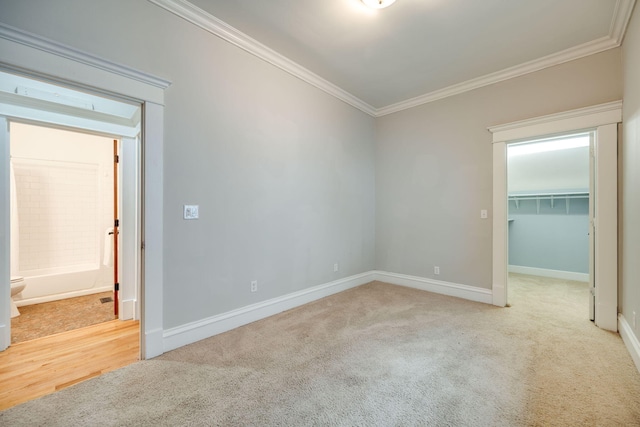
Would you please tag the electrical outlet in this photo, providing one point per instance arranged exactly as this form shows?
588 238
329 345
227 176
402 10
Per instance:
335 267
436 270
254 286
190 212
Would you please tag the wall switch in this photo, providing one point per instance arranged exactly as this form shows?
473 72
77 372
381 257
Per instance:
436 270
335 267
483 214
190 212
254 286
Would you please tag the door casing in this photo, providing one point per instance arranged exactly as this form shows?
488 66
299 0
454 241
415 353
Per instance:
36 56
603 119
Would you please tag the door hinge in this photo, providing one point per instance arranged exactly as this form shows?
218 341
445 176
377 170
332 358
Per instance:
116 287
116 158
116 223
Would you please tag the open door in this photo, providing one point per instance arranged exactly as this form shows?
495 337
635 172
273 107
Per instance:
116 224
592 231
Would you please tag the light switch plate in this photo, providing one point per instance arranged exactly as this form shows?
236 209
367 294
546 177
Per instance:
483 214
190 212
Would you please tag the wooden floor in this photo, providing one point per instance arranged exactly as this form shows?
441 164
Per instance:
42 366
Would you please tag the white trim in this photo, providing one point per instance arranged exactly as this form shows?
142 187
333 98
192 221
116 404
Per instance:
500 235
581 118
217 27
152 255
630 339
577 52
152 340
545 272
210 23
467 292
127 309
46 45
621 17
205 328
195 331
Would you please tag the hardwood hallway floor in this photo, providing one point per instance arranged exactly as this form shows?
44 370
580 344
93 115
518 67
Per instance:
42 366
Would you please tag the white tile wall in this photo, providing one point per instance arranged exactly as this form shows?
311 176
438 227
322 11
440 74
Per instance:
58 213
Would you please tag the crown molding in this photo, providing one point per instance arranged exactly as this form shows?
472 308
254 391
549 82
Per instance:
586 49
46 45
581 118
217 27
208 22
621 17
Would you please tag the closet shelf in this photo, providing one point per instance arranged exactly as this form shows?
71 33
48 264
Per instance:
548 196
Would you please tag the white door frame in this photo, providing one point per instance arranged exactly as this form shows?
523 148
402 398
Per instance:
37 56
129 228
604 120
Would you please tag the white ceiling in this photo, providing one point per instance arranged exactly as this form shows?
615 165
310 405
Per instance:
416 49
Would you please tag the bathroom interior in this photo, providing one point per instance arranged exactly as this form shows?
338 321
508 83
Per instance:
61 217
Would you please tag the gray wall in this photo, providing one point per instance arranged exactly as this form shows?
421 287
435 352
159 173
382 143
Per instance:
550 239
283 173
287 177
434 166
629 161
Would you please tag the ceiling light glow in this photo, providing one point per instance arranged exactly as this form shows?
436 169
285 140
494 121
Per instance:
540 147
378 4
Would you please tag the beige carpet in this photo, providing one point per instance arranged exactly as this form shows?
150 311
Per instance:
377 355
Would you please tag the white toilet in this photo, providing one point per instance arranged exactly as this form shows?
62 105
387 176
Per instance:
17 285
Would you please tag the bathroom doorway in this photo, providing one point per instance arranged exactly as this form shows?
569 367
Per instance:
63 184
61 147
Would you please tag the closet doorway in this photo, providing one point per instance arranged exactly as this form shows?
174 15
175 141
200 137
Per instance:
603 121
550 245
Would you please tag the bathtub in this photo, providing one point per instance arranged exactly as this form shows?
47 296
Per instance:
61 283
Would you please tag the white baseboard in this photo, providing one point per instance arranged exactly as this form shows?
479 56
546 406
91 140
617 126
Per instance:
56 297
544 272
445 288
152 344
128 309
192 332
629 339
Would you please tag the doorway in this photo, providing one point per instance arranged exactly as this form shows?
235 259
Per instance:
33 55
549 216
603 121
60 142
62 231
